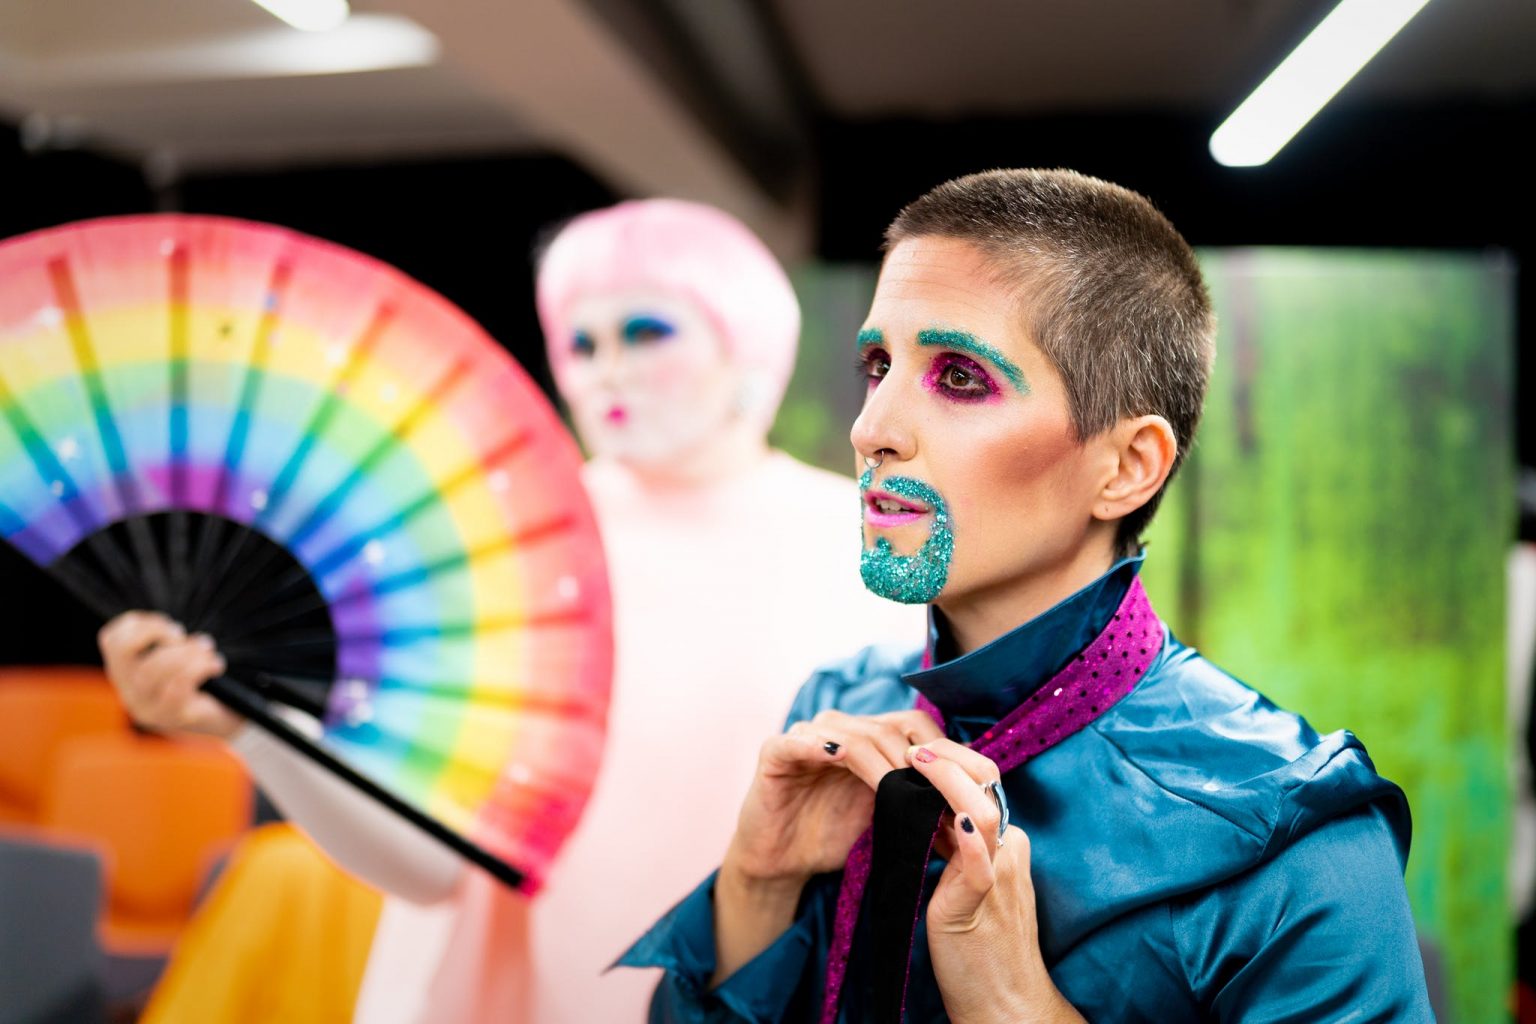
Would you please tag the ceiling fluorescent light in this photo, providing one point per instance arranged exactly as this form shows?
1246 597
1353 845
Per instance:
366 42
1315 71
308 15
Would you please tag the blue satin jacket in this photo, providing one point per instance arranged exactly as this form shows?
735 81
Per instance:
1198 854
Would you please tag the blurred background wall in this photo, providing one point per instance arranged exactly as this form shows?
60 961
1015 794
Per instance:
1339 538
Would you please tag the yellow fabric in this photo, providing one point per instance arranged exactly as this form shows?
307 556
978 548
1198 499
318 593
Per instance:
284 936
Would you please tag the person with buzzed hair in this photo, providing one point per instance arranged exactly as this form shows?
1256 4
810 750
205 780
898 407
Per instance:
1055 811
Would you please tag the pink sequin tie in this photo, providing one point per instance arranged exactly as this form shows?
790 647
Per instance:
1091 683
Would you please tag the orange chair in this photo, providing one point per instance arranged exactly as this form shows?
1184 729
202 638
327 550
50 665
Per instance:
166 809
40 708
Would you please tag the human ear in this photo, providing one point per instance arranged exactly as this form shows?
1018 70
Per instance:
1144 448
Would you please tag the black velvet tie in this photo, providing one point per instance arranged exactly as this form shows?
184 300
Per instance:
907 813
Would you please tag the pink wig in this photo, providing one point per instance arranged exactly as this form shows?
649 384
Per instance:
687 249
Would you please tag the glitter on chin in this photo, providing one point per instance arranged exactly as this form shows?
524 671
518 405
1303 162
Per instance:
909 579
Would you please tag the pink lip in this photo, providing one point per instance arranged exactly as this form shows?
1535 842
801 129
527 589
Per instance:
910 513
616 415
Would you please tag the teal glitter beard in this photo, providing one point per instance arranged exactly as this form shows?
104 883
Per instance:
916 578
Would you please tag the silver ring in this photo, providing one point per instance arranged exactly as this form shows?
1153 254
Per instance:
994 789
872 463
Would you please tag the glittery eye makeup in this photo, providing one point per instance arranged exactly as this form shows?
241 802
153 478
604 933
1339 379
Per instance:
582 344
955 375
645 330
942 337
872 365
960 379
873 362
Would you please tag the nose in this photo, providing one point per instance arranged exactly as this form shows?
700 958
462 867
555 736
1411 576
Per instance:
882 433
608 363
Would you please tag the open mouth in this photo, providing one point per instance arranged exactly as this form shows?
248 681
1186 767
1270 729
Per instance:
883 509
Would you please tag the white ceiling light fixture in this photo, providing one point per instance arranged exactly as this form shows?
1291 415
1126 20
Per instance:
366 42
1334 52
308 15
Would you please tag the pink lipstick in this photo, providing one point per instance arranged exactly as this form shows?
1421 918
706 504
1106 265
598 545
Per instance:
887 510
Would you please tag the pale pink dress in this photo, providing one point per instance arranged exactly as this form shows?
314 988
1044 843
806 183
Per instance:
726 596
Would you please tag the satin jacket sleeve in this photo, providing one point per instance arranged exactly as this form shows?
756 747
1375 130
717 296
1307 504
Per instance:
778 984
1322 932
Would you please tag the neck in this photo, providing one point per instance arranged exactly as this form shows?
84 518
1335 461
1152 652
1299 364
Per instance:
737 448
978 618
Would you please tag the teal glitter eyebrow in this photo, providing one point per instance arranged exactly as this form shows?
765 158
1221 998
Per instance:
870 336
948 338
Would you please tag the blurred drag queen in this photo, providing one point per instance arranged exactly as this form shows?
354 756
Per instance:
671 332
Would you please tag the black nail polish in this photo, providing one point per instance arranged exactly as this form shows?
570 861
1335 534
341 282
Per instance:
967 825
831 747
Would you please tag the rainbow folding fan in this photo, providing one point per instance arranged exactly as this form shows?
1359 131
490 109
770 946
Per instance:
344 480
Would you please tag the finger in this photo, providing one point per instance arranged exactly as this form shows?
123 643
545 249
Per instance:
868 761
797 752
807 729
911 721
981 768
917 726
200 662
166 660
127 622
855 747
890 741
1016 842
889 737
831 739
968 878
133 634
974 847
964 796
149 675
1010 863
872 747
160 684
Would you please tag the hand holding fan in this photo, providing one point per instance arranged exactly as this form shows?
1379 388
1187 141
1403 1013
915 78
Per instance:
345 481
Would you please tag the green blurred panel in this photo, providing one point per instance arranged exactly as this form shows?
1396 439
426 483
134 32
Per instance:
825 393
1339 542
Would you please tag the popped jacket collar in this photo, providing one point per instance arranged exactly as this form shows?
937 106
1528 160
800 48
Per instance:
978 688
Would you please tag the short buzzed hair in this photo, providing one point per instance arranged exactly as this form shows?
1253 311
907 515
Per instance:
1114 294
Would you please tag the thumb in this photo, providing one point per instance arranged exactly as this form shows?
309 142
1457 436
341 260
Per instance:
967 879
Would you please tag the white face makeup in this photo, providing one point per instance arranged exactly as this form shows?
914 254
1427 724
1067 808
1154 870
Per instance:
645 374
